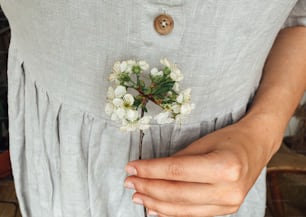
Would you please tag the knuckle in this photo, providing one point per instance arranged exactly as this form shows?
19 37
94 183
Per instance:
236 198
232 170
233 195
175 170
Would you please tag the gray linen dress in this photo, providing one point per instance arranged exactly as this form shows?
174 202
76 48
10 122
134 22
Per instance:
68 157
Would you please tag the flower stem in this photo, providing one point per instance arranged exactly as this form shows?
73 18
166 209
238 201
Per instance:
141 135
150 97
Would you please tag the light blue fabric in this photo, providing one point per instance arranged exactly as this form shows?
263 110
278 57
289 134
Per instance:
68 157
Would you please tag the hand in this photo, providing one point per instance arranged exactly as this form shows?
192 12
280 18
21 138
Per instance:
210 177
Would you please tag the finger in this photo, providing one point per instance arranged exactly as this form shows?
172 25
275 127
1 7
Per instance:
152 213
209 168
160 215
185 192
182 210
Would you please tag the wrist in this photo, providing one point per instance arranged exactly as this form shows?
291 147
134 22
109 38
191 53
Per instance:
266 129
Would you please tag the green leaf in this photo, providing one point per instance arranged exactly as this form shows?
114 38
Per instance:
144 108
163 88
146 90
161 91
142 84
124 77
138 101
157 79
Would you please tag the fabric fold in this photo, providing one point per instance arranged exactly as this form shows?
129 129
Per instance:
70 163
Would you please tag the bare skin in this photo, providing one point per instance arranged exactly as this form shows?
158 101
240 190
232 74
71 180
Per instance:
215 173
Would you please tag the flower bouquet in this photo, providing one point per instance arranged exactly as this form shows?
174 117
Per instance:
133 87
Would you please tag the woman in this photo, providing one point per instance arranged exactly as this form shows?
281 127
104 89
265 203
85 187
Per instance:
69 158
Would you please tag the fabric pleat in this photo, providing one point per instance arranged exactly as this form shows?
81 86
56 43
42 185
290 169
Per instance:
68 157
70 163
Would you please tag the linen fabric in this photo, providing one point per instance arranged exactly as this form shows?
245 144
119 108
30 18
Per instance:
68 157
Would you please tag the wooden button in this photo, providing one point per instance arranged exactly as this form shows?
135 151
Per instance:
163 24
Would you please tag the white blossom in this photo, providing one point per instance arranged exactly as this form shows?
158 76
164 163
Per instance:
114 117
175 73
141 124
110 93
169 93
132 115
128 126
116 67
176 108
129 66
123 66
120 91
143 65
131 62
156 72
180 98
118 102
184 97
186 108
164 118
176 87
128 99
165 62
187 95
109 108
121 113
114 76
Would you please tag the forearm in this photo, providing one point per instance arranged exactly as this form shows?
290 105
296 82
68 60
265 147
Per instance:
281 88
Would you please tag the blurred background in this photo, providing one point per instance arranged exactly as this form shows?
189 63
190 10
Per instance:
8 201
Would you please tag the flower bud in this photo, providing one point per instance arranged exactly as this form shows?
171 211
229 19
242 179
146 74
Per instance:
128 99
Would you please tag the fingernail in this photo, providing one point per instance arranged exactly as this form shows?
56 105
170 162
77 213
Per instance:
129 185
131 170
138 200
151 212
